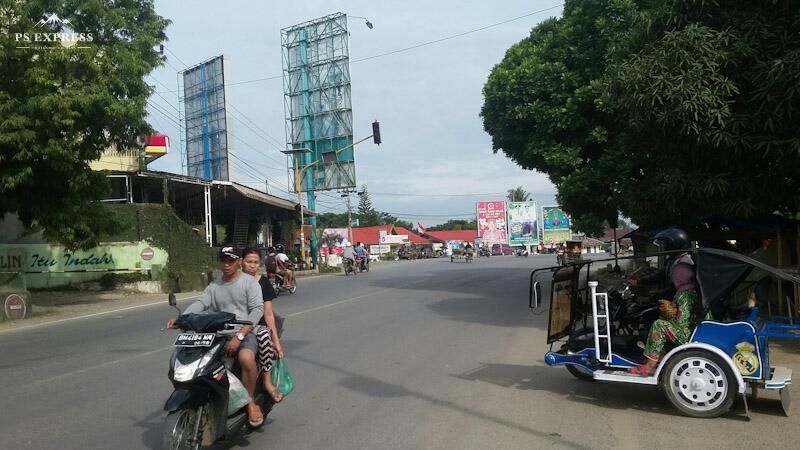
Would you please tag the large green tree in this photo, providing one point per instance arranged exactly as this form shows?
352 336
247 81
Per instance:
455 224
60 108
659 110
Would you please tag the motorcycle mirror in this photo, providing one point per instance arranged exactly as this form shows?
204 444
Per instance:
172 299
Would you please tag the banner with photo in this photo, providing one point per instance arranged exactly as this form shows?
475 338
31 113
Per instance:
556 226
492 222
523 226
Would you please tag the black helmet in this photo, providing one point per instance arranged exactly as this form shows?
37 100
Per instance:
671 239
280 248
270 250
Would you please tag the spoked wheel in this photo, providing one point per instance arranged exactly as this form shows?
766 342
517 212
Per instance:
580 372
699 384
179 429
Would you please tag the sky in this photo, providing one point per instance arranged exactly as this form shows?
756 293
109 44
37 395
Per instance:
435 161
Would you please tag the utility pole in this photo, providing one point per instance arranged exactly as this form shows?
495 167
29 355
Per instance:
349 218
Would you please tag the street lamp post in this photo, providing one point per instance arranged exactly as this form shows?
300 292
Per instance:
366 21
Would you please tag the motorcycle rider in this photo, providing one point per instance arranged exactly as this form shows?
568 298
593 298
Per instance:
348 254
237 293
680 315
283 266
361 253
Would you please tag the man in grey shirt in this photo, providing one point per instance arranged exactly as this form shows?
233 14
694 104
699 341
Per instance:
240 294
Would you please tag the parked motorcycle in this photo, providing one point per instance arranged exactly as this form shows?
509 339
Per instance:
209 403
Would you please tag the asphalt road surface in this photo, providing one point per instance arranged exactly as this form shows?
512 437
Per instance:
413 355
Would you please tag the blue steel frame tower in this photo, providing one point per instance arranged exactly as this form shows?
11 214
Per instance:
204 99
319 115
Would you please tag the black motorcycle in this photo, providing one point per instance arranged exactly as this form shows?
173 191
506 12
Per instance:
349 266
632 313
209 403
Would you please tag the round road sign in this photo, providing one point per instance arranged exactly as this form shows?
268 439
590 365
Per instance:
147 254
15 307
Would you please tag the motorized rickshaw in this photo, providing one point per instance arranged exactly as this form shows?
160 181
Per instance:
598 335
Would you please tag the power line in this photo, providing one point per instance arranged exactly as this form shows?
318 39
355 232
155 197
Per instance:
446 38
412 47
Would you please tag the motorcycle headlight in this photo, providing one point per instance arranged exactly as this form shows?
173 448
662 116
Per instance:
186 372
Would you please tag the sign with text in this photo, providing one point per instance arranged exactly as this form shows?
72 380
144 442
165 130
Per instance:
492 222
555 225
523 227
394 239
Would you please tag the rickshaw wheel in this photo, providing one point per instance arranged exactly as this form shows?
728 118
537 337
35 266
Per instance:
699 383
580 372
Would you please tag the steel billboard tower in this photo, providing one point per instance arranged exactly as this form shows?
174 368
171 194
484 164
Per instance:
319 115
206 124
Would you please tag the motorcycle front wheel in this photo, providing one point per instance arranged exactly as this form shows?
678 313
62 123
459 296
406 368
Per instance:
179 430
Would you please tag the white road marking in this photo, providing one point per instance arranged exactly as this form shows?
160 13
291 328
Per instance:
43 324
99 366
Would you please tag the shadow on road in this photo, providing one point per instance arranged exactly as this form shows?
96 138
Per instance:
610 395
378 388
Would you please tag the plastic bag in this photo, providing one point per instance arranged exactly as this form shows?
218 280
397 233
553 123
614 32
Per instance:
238 397
281 377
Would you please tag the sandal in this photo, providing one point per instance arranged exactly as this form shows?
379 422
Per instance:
255 423
276 394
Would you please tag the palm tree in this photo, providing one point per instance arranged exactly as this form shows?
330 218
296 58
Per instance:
518 194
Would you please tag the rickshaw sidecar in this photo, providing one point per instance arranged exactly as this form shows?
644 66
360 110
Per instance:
702 377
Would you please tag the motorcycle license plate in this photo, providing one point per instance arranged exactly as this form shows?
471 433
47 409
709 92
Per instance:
195 340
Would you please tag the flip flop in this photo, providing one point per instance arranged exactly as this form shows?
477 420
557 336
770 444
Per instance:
275 398
255 423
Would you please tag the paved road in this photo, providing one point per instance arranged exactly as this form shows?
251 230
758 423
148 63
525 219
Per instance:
426 354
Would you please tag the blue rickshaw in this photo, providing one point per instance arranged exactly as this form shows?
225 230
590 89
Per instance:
598 335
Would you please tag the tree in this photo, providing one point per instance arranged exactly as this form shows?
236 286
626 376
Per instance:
367 215
331 220
518 194
662 111
61 108
457 224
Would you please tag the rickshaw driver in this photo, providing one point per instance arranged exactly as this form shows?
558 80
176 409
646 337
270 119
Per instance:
679 316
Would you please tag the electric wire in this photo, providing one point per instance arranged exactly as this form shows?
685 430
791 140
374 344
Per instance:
412 47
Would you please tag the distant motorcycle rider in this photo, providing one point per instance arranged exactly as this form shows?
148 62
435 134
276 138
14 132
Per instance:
362 254
283 266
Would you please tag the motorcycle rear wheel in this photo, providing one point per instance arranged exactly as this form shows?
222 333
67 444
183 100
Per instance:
178 429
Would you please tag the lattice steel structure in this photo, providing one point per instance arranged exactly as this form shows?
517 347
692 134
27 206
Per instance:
319 115
205 119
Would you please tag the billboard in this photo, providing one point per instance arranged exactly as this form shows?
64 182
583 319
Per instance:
205 120
555 225
492 222
523 226
319 115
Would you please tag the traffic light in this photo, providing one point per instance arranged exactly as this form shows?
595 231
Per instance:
298 209
376 132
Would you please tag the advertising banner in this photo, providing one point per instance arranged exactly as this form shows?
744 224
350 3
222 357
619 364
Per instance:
555 225
523 227
492 222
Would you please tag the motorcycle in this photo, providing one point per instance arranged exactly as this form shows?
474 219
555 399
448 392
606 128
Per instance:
483 251
277 284
362 264
522 252
209 403
349 266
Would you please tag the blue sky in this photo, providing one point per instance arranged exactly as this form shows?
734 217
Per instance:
427 99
